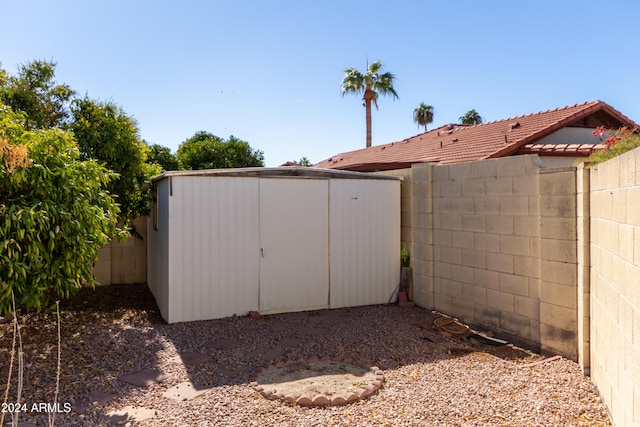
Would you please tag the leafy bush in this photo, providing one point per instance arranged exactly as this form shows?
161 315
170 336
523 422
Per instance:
615 142
55 213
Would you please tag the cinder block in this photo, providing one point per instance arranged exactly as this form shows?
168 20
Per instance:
421 173
501 224
619 205
528 307
474 223
462 239
442 269
562 206
557 183
516 324
503 301
517 285
484 169
440 173
500 262
442 303
514 205
627 169
534 205
459 171
442 237
448 254
475 294
559 317
558 228
462 274
526 226
633 206
474 258
450 188
500 186
563 296
421 221
487 242
487 315
451 288
517 245
625 242
559 250
461 204
473 187
555 340
528 266
558 272
486 205
526 185
451 221
463 309
511 166
486 278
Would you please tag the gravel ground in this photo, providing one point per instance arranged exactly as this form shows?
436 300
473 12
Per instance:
432 378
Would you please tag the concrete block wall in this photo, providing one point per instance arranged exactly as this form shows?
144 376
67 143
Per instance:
615 285
486 244
558 261
124 262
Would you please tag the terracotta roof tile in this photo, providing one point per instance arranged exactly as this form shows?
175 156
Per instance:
457 143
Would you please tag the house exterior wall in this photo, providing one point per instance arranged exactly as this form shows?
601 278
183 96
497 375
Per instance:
615 285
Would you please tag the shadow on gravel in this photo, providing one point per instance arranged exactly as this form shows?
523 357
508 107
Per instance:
114 331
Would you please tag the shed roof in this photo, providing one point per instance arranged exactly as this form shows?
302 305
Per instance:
278 172
457 143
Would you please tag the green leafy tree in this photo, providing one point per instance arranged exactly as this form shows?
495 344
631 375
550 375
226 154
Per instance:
163 157
423 115
303 162
55 212
370 85
471 117
107 134
207 151
35 92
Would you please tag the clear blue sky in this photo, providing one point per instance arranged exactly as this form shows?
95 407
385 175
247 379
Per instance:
269 72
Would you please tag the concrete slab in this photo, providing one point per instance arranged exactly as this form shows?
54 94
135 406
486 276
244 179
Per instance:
185 391
128 416
193 358
145 377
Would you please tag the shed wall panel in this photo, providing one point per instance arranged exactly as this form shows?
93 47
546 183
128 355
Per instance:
213 247
294 267
364 242
158 248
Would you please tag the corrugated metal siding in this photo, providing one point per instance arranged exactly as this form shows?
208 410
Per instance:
294 219
158 249
364 241
213 259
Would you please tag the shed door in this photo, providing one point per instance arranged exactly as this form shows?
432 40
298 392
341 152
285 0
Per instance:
294 245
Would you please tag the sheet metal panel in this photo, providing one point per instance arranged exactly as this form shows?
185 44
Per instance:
294 264
158 248
364 241
214 239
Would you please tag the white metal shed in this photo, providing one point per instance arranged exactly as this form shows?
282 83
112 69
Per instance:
273 240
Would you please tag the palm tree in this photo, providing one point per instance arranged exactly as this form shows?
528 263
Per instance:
370 85
423 115
471 117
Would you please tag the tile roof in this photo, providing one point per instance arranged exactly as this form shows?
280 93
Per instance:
457 143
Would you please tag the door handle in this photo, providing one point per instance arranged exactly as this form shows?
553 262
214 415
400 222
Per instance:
262 252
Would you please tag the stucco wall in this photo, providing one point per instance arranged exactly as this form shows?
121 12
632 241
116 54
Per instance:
615 285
